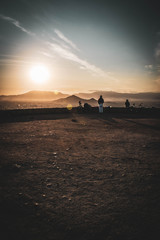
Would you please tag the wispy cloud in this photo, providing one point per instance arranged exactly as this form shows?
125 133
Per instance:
17 24
149 66
67 54
65 51
62 49
46 54
14 60
65 39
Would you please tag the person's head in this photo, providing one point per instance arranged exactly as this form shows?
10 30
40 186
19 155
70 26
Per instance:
100 96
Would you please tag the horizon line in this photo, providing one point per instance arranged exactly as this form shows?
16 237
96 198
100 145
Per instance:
79 92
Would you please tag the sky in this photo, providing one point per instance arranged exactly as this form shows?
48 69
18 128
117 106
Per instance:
83 45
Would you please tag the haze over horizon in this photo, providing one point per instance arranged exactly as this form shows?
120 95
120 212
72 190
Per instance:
80 46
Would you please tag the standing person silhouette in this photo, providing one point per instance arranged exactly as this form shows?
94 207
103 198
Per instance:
127 103
100 102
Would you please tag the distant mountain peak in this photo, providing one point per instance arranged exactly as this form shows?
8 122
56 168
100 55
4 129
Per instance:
73 97
35 95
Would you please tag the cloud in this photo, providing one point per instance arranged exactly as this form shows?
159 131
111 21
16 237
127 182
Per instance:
14 60
46 54
17 24
149 67
60 43
61 36
67 54
63 50
157 51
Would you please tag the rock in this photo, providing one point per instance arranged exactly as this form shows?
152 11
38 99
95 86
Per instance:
64 197
49 185
74 120
17 165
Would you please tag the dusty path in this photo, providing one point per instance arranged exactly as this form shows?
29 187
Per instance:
83 177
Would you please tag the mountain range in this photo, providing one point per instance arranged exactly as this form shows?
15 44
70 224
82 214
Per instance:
58 99
110 95
53 95
74 101
34 96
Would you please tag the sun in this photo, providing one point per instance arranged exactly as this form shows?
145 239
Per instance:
39 74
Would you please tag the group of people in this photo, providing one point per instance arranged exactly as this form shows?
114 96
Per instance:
101 101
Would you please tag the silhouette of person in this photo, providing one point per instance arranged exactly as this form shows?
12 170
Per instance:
100 102
127 103
80 104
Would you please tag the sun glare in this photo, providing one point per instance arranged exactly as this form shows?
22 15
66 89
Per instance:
39 74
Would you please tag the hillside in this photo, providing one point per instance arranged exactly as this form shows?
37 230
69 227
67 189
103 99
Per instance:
74 101
49 99
109 95
34 96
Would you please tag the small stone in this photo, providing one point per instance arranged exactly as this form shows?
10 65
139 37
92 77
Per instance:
74 120
64 196
49 184
17 165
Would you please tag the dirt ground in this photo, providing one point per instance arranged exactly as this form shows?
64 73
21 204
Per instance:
81 177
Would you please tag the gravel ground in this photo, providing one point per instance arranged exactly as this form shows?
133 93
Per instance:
82 177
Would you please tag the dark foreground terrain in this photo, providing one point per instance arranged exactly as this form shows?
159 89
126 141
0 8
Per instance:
80 176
